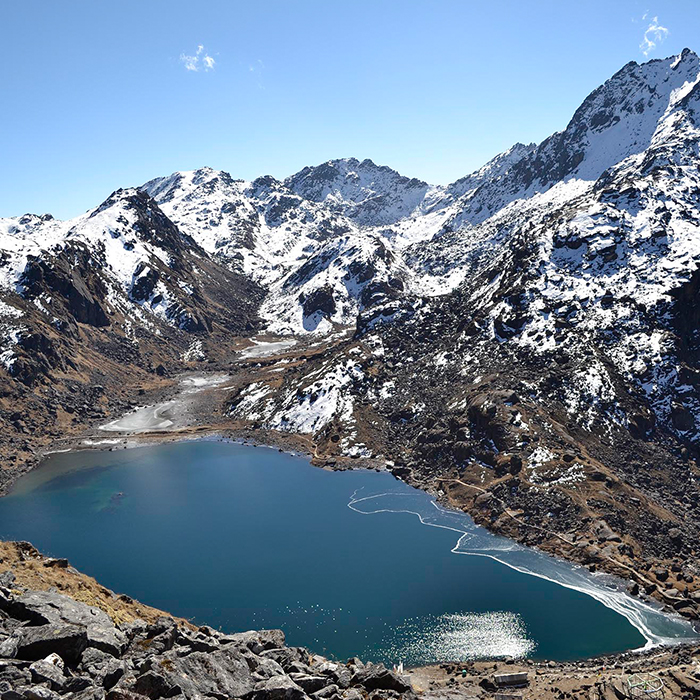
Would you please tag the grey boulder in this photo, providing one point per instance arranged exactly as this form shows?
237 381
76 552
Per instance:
310 683
223 673
15 672
68 641
54 608
256 641
377 677
277 688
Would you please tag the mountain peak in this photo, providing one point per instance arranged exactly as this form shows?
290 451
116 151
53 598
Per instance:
183 182
621 118
495 168
126 196
370 194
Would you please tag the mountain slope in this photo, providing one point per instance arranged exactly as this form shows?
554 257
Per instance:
95 308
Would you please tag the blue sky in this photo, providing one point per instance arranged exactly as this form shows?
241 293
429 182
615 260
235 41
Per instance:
100 95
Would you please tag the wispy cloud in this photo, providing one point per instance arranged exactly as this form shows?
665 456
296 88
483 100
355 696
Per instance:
198 61
654 34
257 69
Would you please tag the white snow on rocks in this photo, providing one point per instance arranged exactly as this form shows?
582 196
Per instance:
325 397
195 352
109 232
7 311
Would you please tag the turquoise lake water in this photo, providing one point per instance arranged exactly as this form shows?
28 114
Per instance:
239 537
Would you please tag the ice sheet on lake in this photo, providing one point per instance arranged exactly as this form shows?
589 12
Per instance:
167 415
656 627
144 419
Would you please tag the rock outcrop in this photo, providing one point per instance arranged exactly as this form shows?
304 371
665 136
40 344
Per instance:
54 647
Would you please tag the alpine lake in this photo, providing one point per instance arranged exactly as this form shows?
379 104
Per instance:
351 563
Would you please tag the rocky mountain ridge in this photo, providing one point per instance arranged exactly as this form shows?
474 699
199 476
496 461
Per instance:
325 230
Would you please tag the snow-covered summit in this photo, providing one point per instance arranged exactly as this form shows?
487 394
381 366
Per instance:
123 263
620 119
371 195
326 239
320 267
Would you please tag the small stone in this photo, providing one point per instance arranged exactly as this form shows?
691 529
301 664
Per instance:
49 670
56 563
661 574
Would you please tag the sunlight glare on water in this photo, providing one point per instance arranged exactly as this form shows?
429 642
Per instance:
460 636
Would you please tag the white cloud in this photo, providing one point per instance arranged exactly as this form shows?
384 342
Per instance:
189 61
256 67
257 70
654 34
200 60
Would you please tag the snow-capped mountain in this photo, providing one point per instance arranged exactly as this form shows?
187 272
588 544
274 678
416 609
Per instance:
349 239
601 253
335 240
123 265
369 194
530 331
321 267
284 234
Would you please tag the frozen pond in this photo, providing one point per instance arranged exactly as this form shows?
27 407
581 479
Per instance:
168 415
265 349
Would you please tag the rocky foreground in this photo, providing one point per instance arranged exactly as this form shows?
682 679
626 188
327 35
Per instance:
63 636
53 646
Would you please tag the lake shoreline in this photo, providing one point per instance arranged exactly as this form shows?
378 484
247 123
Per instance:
457 489
291 443
299 445
546 570
35 571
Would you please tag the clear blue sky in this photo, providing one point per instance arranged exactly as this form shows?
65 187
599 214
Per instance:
96 95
